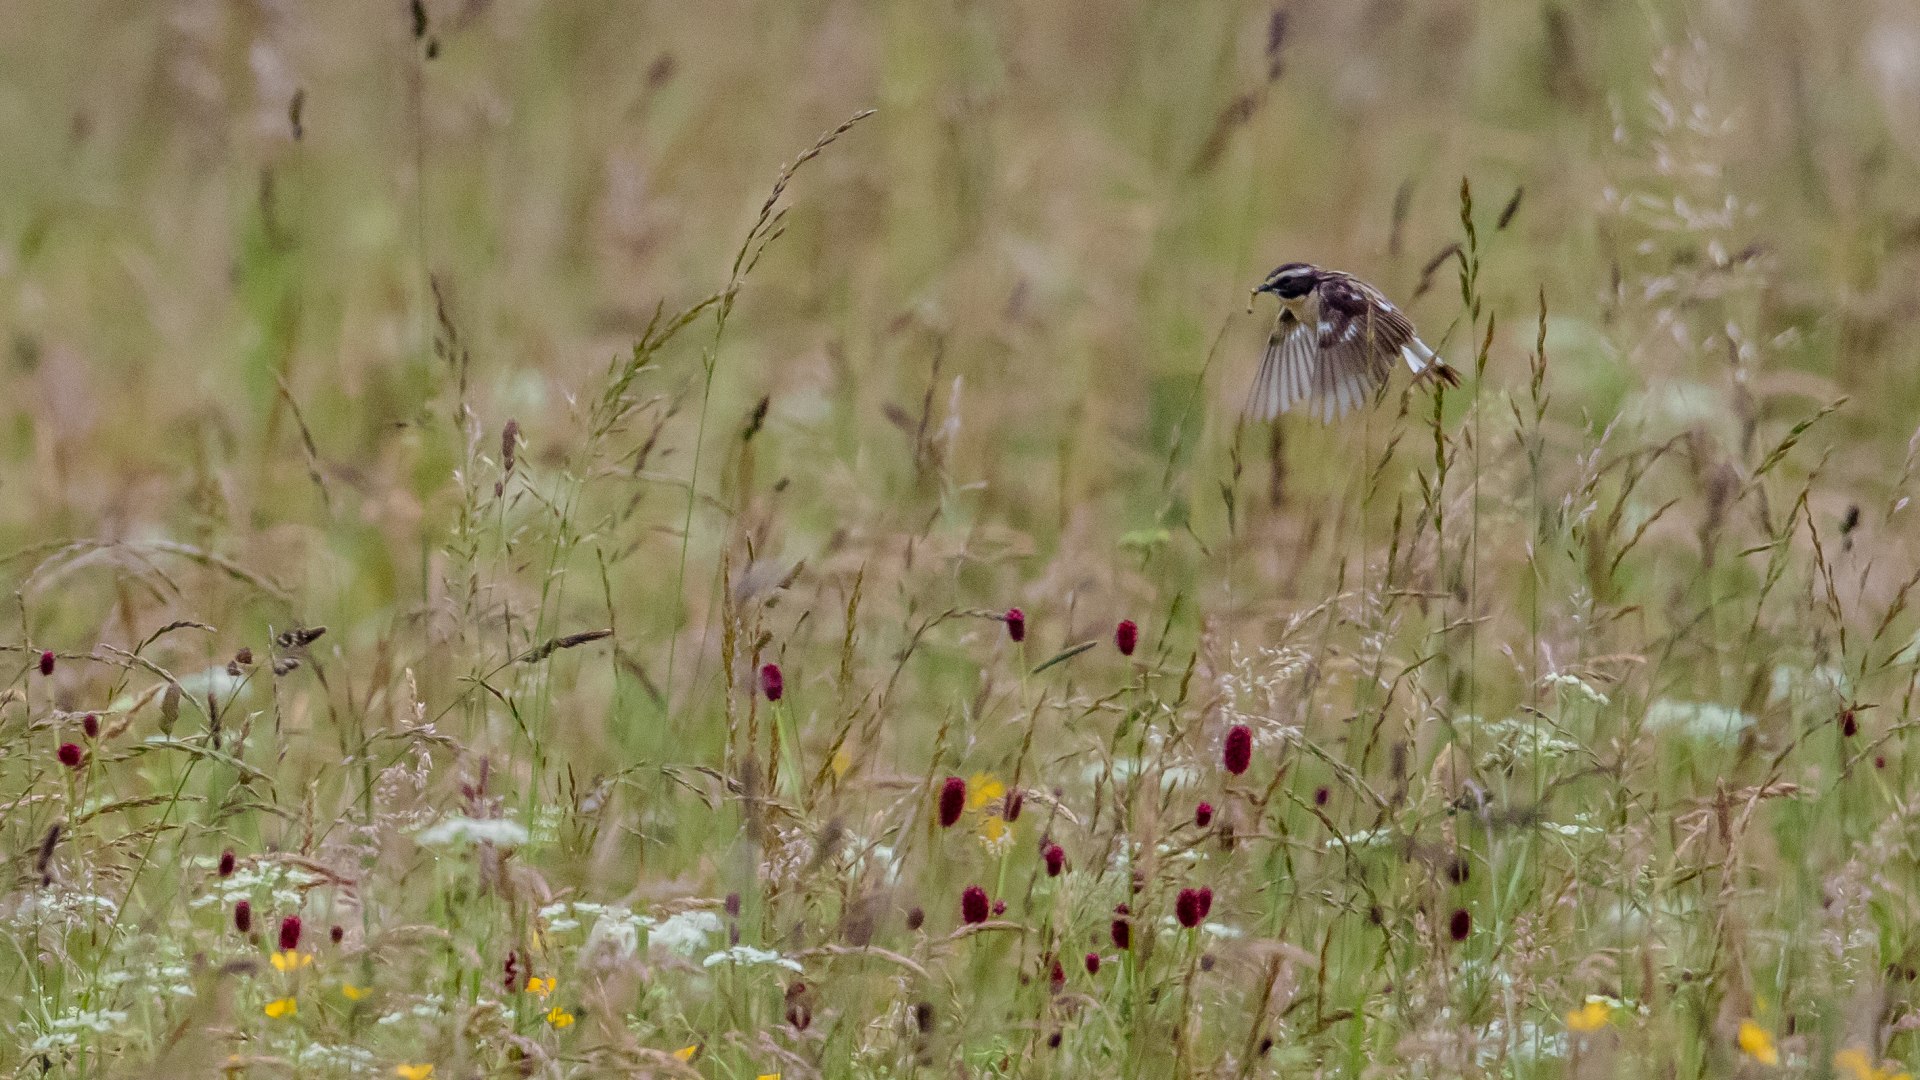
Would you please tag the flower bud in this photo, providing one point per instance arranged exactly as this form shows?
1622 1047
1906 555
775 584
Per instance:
953 799
1237 754
973 905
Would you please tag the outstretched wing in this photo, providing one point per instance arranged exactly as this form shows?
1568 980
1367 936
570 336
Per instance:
1359 338
1289 370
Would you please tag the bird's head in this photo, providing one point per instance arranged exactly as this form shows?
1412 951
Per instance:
1290 282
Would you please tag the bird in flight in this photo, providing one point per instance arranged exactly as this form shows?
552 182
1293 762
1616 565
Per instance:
1333 345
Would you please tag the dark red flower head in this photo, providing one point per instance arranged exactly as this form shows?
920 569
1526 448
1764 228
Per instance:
337 934
1016 624
1203 814
1321 795
953 799
510 972
1122 933
1126 636
71 755
973 904
999 908
243 917
91 725
1187 908
1093 963
1238 752
290 932
915 917
1057 978
772 683
1010 808
1849 725
46 662
1460 924
226 863
1056 857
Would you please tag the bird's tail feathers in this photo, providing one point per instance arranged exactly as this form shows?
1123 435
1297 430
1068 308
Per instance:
1422 362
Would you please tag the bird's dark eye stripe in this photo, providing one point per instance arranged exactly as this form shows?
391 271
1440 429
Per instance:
1294 286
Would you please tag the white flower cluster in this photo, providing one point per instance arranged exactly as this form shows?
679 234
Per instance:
747 956
352 1060
284 885
428 1007
45 908
1576 686
457 830
1362 839
154 965
1704 721
618 930
1511 741
67 1028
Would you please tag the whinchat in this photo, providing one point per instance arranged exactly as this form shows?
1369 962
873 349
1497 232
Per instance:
1333 345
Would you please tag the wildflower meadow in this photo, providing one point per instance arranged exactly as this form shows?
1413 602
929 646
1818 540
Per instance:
721 541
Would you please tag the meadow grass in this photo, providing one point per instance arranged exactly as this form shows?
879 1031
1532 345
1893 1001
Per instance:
718 541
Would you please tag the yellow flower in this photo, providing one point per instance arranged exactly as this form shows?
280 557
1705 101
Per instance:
1757 1043
1590 1017
281 1007
559 1017
352 992
992 829
768 1076
982 789
290 960
841 763
413 1072
539 987
686 1053
1858 1065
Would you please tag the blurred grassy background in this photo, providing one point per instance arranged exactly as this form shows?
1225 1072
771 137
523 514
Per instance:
993 358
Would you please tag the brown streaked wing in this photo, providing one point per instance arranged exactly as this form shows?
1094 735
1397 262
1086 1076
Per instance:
1359 339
